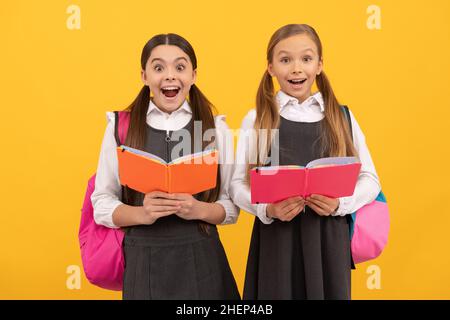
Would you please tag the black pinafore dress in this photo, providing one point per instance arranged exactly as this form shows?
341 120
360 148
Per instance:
173 258
308 257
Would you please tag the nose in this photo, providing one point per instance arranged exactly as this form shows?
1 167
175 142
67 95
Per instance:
297 67
170 74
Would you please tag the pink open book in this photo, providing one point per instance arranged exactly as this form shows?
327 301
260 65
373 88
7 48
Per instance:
333 177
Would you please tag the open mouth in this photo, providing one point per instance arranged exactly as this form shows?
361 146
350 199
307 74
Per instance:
297 81
170 92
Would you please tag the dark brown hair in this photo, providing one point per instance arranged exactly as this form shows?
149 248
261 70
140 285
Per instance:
202 108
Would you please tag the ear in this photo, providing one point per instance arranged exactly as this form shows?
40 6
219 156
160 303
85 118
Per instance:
144 77
194 76
270 69
319 71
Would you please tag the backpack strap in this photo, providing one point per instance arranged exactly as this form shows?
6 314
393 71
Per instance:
116 127
350 217
121 124
347 115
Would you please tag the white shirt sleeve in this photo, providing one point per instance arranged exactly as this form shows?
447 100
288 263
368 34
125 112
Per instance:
240 190
225 145
107 192
368 185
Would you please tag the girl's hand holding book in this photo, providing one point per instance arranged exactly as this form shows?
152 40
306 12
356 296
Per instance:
158 204
322 205
287 209
190 208
193 209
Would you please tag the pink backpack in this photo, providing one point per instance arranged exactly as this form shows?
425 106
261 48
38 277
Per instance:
101 247
369 226
369 229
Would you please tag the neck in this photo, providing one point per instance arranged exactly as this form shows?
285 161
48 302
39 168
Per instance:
303 98
164 109
300 99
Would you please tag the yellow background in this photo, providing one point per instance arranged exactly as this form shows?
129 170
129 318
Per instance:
56 85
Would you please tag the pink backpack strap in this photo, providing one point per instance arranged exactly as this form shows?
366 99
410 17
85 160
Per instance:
122 122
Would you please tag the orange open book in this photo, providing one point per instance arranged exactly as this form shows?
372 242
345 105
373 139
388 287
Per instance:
146 172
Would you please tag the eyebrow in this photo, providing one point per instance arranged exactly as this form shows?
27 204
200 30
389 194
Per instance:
286 52
160 59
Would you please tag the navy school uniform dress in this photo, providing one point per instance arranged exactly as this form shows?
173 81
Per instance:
173 258
308 257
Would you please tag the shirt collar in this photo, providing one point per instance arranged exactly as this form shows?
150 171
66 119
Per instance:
284 99
185 107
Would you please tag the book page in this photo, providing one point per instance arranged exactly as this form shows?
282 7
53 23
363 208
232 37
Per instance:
331 161
284 167
144 154
197 157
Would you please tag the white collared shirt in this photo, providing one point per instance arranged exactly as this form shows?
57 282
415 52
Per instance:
310 110
107 194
